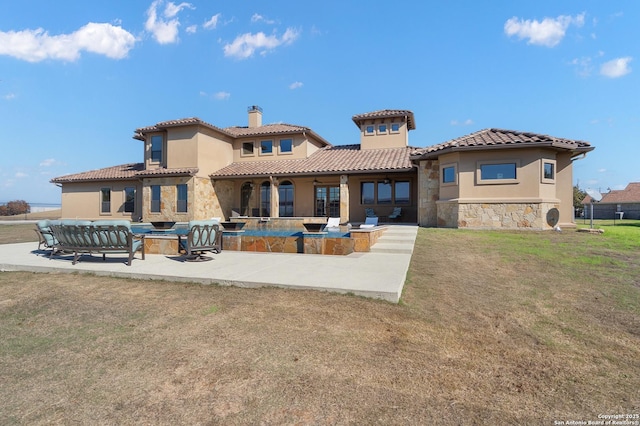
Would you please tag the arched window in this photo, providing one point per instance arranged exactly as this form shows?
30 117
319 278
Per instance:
286 199
265 199
245 196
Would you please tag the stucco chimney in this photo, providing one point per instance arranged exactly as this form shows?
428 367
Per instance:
255 116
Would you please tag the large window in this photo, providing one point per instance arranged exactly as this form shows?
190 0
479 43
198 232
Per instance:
245 197
181 202
156 148
496 172
285 192
105 200
265 199
385 192
129 199
155 199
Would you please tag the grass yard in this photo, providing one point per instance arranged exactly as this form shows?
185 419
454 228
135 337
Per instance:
493 328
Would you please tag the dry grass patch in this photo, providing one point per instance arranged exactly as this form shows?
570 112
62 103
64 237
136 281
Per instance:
506 329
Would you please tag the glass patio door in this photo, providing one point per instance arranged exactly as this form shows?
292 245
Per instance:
327 201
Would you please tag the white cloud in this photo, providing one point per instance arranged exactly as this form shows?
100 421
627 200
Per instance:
602 170
191 29
48 162
21 175
295 85
259 18
245 45
467 122
616 67
548 32
165 31
222 96
9 96
212 23
37 45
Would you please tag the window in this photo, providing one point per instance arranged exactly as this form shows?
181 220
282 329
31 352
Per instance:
266 147
247 148
367 191
129 200
548 171
368 130
382 129
384 192
181 202
265 199
449 174
245 197
497 172
155 198
156 148
402 194
395 127
105 200
286 199
286 146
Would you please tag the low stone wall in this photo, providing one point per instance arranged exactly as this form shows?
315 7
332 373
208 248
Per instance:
494 215
289 223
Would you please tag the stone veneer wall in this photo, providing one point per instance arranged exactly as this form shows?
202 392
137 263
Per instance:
494 215
428 192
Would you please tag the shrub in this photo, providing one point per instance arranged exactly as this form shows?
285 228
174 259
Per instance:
15 207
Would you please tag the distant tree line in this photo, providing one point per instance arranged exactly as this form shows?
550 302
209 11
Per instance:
15 207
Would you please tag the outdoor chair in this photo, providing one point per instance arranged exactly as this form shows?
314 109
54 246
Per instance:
204 236
45 235
368 212
370 222
396 213
333 222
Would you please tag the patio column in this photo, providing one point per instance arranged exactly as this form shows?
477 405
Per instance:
275 197
344 198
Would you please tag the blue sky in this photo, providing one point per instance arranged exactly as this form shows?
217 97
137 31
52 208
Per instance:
78 77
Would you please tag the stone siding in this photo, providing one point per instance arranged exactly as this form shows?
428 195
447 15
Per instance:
428 192
494 215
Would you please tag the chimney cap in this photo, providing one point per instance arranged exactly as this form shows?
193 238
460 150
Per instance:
254 108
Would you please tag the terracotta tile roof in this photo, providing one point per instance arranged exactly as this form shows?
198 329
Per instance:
386 113
336 159
130 171
139 133
500 138
631 194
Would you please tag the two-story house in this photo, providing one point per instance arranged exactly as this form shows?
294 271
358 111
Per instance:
194 170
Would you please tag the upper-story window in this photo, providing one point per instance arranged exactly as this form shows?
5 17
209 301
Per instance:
395 127
266 147
382 129
155 199
286 146
369 129
156 148
247 148
449 174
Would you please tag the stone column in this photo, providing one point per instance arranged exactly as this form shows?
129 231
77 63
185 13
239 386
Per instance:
429 192
275 197
344 198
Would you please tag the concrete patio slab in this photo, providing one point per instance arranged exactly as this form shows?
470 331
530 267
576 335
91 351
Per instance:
379 275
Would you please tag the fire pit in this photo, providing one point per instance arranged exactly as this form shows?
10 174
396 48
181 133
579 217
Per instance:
163 224
233 226
313 227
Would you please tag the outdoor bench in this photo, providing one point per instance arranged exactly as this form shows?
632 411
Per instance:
103 236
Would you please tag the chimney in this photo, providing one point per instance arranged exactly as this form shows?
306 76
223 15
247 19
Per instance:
255 116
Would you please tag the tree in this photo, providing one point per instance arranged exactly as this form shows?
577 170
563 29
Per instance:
15 207
578 196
